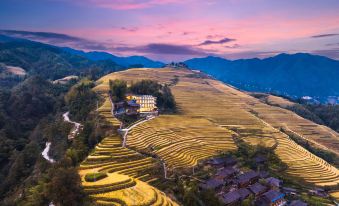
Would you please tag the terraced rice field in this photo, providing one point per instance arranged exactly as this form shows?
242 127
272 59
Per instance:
210 111
181 141
128 172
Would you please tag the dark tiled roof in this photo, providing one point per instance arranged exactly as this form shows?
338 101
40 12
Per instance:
264 174
260 159
212 184
257 188
298 203
217 160
225 172
273 181
273 195
243 192
248 175
230 160
133 103
231 197
222 160
288 189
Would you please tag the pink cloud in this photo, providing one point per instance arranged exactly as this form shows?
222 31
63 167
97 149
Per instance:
127 4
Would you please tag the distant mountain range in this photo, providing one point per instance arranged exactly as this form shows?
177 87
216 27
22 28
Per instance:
293 75
131 61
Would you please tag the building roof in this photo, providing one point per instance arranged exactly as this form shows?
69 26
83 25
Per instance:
132 103
222 160
217 160
289 189
231 197
257 188
273 195
225 172
212 184
260 159
248 175
264 174
244 193
230 160
298 203
273 181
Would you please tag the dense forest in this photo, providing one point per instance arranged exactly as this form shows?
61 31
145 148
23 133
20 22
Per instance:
31 108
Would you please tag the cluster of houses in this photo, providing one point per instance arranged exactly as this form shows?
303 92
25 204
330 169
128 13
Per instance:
233 186
137 104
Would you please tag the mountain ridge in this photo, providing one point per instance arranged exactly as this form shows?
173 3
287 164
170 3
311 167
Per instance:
294 75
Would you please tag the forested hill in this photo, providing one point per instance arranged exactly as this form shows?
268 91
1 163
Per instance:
293 75
130 61
48 61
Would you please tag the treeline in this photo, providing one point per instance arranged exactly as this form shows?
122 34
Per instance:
325 114
26 111
165 99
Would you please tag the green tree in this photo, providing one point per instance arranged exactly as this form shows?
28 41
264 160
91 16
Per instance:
65 187
118 89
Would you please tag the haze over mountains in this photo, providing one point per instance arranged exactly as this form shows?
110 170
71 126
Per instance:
294 75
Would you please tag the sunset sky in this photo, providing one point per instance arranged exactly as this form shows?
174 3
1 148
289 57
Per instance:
176 30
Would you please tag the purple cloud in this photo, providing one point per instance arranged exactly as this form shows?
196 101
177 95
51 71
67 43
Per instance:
331 53
221 41
156 48
56 39
324 35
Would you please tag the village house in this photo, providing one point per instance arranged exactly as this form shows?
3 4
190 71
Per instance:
226 173
257 189
247 178
271 198
231 198
219 162
213 184
289 191
319 192
274 183
132 108
244 193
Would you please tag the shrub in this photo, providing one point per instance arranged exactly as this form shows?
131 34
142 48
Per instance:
92 177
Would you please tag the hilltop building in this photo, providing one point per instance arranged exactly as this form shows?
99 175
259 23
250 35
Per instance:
147 102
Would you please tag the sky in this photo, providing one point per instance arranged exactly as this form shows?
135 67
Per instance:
176 30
